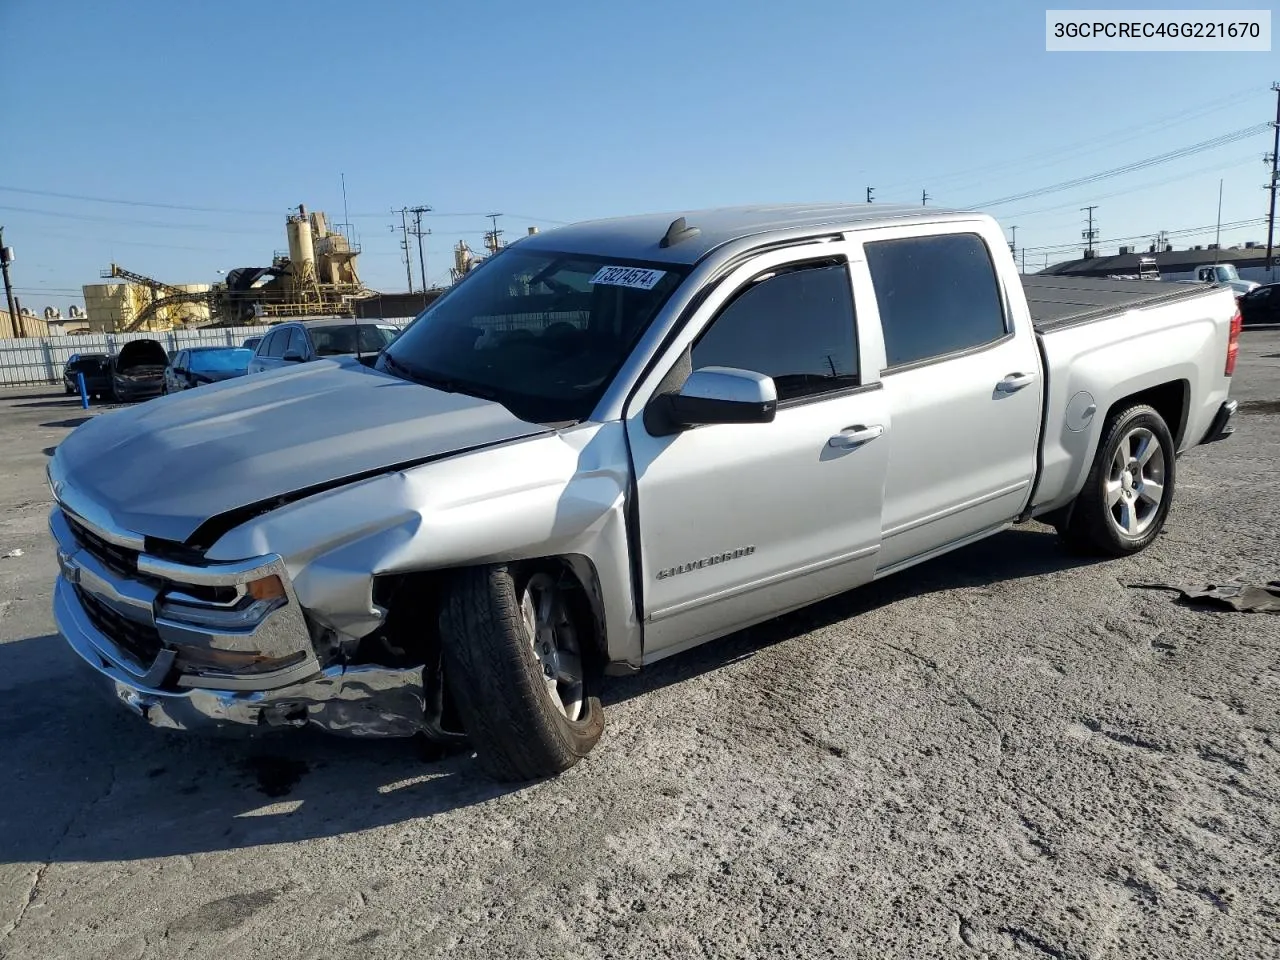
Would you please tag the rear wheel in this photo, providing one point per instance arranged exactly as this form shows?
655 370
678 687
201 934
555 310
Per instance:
522 670
1129 490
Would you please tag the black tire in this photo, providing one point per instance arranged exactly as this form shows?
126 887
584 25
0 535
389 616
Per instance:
497 682
1093 525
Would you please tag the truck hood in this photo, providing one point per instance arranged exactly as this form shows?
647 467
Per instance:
162 469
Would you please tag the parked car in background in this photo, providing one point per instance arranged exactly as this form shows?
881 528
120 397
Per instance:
300 341
96 368
138 371
1224 274
251 343
199 365
1261 305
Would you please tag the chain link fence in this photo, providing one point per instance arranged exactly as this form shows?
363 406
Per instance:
38 360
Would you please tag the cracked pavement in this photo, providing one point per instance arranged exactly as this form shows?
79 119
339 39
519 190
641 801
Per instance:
1003 753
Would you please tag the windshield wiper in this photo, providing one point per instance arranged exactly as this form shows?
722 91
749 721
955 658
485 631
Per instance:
445 384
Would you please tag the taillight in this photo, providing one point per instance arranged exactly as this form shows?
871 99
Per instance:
1233 343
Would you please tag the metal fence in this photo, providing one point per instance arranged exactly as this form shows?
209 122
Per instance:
34 360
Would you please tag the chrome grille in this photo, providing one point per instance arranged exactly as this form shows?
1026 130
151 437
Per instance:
139 641
118 559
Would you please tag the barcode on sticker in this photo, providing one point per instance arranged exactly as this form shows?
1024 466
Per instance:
638 277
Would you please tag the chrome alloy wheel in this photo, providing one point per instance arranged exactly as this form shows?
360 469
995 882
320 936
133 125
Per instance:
555 642
1135 484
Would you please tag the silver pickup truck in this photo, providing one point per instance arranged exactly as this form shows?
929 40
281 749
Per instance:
608 443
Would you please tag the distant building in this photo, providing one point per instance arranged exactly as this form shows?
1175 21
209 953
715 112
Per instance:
31 325
1249 259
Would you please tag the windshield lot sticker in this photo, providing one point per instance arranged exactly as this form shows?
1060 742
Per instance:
637 277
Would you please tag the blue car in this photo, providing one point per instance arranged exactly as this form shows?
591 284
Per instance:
199 365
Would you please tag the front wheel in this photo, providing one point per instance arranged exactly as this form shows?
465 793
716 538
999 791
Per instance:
520 664
1127 495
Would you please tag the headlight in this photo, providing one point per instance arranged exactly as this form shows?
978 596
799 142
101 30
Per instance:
240 607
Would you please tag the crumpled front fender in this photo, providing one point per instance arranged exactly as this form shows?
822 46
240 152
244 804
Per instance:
561 494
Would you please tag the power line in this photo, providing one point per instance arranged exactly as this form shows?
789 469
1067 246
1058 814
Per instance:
1128 191
1093 144
1178 154
1184 232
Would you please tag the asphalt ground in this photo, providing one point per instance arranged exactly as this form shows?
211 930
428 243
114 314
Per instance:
1006 752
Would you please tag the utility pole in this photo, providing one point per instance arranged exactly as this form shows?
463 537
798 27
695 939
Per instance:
418 232
1013 243
1024 259
870 191
1217 236
1090 234
6 255
924 198
404 243
1275 176
492 239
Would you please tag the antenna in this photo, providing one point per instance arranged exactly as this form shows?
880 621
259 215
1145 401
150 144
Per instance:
346 217
678 231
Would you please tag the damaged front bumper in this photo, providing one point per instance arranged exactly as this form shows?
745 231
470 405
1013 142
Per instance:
185 648
364 700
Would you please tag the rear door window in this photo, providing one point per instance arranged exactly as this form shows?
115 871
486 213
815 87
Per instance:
937 296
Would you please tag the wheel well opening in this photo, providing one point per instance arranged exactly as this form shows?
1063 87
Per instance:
411 632
578 575
1170 400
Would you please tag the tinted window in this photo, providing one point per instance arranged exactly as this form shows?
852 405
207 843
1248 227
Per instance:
297 342
797 327
91 364
339 341
937 295
275 343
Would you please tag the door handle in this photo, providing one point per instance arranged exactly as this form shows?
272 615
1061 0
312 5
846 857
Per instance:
1015 382
851 437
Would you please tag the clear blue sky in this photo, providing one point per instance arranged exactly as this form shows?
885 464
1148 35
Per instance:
559 111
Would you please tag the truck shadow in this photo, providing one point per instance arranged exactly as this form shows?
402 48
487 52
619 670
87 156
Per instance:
87 782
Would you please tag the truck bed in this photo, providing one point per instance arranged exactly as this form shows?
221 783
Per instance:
1058 302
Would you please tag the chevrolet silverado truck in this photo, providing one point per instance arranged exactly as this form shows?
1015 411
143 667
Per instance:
604 445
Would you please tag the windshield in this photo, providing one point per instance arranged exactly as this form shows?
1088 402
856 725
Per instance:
220 361
339 341
542 333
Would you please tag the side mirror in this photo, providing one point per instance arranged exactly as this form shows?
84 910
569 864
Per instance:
292 356
714 395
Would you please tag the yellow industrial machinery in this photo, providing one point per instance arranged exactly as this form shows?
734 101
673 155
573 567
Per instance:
318 277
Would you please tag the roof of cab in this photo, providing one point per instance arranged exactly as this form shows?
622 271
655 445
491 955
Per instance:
640 237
